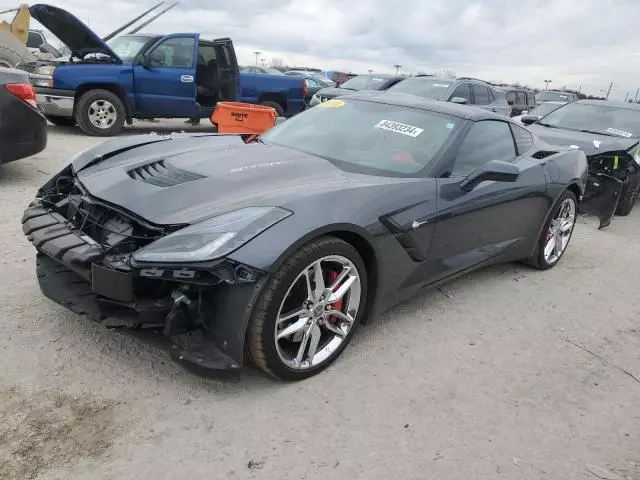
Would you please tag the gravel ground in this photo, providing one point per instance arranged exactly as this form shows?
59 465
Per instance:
508 373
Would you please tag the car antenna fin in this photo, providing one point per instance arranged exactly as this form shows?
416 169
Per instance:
131 22
160 13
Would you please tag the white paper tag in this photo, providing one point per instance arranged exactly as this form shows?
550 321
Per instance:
401 128
622 133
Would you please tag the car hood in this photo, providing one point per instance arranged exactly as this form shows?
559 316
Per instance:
71 31
589 143
186 179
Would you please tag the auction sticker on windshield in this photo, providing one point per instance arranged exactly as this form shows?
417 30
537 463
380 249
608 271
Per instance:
397 127
332 104
622 133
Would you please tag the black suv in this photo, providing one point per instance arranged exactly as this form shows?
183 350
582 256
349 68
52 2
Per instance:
464 90
521 100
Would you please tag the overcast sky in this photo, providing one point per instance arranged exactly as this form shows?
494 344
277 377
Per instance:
586 43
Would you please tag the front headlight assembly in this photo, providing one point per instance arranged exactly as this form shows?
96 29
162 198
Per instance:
43 76
213 238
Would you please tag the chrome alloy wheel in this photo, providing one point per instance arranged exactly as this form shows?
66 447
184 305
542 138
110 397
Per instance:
560 231
318 312
102 114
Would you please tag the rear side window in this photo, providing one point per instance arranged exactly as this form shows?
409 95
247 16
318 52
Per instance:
521 98
480 94
511 97
531 99
462 91
486 141
524 139
34 40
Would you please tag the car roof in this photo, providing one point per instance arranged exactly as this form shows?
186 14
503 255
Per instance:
412 101
611 103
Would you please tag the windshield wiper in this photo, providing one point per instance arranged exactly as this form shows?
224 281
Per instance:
347 88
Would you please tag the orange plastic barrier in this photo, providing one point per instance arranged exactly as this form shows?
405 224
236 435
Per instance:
237 117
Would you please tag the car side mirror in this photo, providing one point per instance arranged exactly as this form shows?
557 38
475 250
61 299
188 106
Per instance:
459 100
510 102
529 119
495 170
145 61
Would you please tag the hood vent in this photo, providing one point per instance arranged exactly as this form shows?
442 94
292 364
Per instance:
162 174
543 154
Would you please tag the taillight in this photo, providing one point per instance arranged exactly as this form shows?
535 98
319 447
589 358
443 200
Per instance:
304 88
24 92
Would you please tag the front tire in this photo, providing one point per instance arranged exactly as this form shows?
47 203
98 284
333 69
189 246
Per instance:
628 197
100 113
556 233
308 310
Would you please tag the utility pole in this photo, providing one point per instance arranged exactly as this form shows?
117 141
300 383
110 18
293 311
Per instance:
397 67
635 100
546 86
609 91
257 54
580 89
626 97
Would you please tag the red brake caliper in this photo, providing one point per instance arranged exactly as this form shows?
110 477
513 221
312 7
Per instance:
337 305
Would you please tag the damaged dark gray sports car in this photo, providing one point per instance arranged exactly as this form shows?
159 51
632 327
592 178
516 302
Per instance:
608 132
275 250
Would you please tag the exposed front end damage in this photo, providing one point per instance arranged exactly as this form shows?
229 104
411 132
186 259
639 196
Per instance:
85 263
611 175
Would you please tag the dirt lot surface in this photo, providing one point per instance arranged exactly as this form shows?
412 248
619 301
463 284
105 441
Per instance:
509 373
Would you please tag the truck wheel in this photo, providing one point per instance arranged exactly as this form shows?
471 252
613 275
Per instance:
628 198
61 121
100 113
276 106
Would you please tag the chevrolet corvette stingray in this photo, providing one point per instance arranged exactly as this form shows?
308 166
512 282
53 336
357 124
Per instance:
274 250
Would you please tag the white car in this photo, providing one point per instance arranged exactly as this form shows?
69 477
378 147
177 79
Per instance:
541 110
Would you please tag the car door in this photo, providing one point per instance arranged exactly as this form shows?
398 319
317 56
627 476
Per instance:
165 78
227 69
493 218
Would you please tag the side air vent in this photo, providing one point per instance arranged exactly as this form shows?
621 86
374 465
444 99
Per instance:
410 247
162 174
540 154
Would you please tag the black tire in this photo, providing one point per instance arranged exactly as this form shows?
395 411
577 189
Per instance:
278 108
261 335
538 259
628 197
61 121
82 113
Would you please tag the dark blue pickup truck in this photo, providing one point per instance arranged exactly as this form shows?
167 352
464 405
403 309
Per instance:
102 85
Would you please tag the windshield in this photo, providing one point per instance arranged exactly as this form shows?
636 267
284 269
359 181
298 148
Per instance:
545 108
552 97
127 47
422 87
366 137
602 119
364 82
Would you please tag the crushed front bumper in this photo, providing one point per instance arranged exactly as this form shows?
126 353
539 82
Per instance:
55 102
601 198
70 272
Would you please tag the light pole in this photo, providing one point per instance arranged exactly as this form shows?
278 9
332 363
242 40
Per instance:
257 54
370 72
546 86
397 67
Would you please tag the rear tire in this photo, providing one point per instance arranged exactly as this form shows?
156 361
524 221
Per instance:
291 303
628 197
557 222
276 106
61 121
100 113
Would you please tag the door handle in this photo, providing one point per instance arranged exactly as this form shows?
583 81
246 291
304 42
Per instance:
186 79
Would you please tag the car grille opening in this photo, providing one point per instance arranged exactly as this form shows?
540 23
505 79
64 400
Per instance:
162 174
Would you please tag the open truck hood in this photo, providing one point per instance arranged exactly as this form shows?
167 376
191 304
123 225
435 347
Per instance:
71 31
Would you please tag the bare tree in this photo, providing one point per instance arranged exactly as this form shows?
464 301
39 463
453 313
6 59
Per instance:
446 73
277 62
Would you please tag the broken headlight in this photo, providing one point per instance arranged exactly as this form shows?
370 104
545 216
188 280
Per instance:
213 238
